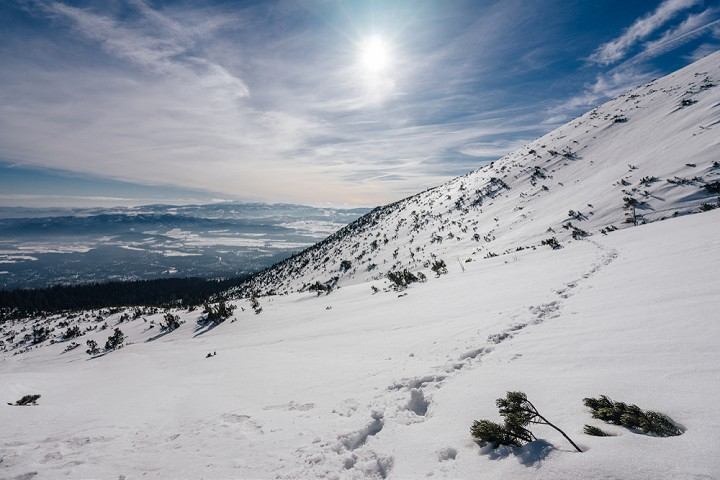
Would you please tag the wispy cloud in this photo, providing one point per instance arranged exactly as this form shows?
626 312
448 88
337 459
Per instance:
493 149
624 62
257 111
616 49
690 28
704 50
606 85
154 41
267 100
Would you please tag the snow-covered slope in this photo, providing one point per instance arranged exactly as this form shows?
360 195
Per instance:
356 385
655 148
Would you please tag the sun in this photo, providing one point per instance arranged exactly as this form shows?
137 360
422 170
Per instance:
374 55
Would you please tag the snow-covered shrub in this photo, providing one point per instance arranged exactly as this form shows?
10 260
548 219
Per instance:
115 340
71 332
402 278
649 180
577 215
579 233
518 413
439 267
552 242
632 417
255 304
629 202
39 334
713 187
320 288
172 322
92 347
27 400
218 313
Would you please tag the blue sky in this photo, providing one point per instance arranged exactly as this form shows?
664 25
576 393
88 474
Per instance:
322 102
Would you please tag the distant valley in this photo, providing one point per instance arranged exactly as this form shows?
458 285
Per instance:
41 247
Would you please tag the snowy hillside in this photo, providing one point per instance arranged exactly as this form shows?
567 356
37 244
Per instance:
356 385
647 155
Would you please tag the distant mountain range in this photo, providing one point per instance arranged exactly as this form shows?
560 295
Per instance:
40 247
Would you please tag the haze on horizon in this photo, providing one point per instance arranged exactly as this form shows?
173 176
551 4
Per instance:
327 103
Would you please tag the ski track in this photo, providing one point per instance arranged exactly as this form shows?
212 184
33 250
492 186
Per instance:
409 399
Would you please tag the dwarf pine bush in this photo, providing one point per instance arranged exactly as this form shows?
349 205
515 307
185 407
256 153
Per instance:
255 304
172 322
71 332
27 400
115 340
518 413
92 347
552 242
439 267
402 278
595 431
632 417
495 434
713 187
218 313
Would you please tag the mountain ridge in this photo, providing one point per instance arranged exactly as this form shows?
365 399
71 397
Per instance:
643 156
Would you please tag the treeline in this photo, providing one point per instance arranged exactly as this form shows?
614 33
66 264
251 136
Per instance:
159 293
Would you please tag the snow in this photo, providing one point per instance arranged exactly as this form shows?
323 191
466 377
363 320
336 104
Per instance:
315 228
16 258
28 247
382 385
357 384
190 239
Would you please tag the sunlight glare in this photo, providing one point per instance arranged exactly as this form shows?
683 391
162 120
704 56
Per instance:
374 55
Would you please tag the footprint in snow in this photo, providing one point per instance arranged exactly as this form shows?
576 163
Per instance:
243 422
